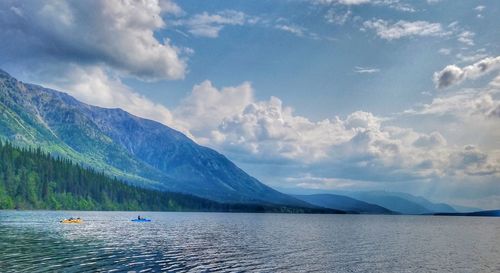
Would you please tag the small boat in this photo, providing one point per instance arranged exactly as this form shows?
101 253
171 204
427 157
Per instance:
141 220
72 221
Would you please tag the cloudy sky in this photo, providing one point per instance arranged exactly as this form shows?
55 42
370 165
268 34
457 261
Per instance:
306 95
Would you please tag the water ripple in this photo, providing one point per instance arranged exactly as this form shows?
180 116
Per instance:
217 242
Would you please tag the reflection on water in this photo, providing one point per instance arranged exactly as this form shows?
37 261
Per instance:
223 242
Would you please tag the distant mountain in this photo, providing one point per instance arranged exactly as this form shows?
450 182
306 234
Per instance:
401 202
393 203
141 151
340 202
436 207
465 209
484 213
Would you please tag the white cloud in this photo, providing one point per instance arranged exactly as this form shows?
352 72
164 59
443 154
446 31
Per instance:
479 8
434 139
308 181
365 70
118 34
462 105
392 31
206 107
338 18
466 37
209 25
445 51
343 2
452 74
468 58
466 116
170 7
472 161
295 30
359 147
394 4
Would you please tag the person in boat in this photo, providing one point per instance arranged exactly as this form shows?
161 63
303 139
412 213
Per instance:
139 217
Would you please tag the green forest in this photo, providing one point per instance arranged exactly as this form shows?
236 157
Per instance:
33 179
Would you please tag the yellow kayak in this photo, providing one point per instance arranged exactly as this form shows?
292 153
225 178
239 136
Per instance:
72 221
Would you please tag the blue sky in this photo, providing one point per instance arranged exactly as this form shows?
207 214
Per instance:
308 96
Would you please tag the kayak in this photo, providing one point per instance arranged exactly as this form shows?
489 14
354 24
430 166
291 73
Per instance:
141 220
72 221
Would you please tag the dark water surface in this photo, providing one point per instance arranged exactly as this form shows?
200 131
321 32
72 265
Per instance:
34 241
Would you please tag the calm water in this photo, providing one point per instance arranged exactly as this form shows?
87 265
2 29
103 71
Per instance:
223 242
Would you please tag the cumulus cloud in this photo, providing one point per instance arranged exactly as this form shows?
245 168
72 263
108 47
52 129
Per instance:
434 139
466 116
472 161
209 25
118 34
392 31
357 147
461 105
206 107
267 130
452 74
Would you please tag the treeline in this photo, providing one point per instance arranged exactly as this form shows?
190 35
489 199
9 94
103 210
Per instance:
32 179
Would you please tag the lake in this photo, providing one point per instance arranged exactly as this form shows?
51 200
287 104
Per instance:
34 241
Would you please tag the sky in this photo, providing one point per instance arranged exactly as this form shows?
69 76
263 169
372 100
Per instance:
306 95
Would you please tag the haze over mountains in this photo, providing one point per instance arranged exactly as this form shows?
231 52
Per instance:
381 202
152 155
343 203
401 202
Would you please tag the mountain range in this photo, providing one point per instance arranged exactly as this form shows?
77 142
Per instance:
401 202
152 155
345 203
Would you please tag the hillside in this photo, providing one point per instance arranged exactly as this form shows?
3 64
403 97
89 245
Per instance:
32 179
139 151
340 202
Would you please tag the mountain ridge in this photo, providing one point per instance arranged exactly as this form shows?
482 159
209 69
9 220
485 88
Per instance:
401 202
141 151
345 203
